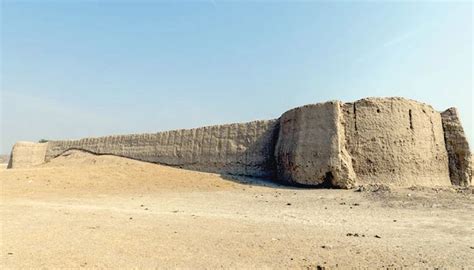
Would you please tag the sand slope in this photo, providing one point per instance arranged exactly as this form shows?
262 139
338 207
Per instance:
82 210
81 173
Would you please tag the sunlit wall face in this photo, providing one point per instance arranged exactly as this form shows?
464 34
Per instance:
82 69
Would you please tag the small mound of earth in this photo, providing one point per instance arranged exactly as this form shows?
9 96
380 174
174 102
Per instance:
373 188
79 158
78 172
75 154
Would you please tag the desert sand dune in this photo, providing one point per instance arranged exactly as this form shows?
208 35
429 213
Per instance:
83 210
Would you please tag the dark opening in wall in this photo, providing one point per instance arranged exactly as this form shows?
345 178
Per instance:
327 183
355 116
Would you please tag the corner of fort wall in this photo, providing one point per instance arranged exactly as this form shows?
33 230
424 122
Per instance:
27 154
311 147
460 156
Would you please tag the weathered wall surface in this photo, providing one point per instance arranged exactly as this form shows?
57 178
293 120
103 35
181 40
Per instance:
391 141
311 147
245 149
27 154
460 164
398 140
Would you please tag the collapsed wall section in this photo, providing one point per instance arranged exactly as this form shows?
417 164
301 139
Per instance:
242 149
460 163
311 147
27 154
396 141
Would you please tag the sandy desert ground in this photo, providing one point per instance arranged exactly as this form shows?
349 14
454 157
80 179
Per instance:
89 211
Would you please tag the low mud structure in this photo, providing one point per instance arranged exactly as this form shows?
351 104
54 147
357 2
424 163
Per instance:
391 141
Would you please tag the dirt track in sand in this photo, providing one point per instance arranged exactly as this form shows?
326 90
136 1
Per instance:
103 211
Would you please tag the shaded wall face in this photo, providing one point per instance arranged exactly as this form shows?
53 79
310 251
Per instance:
397 140
459 154
305 144
245 149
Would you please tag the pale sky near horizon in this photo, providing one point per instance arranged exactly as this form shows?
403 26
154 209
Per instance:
72 69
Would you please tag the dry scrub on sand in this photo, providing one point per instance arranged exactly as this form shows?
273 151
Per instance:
81 210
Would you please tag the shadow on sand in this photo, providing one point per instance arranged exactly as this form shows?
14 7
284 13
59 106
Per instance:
270 183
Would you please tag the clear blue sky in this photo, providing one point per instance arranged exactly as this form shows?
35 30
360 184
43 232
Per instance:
73 69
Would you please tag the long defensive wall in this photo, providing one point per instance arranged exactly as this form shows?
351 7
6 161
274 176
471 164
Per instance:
393 141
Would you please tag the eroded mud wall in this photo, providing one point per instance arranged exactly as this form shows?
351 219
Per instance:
459 154
27 154
311 147
396 141
392 141
244 149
